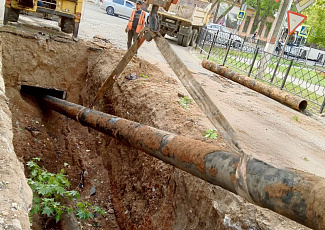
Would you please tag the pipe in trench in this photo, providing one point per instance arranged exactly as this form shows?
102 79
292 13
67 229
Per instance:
288 99
297 195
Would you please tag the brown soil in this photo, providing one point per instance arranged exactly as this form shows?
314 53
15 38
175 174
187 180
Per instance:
137 191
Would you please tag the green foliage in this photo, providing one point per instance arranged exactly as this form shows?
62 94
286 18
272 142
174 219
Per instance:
315 19
145 76
210 133
296 118
83 211
184 101
50 190
263 9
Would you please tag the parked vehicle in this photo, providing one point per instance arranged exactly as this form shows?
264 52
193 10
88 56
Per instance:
296 47
184 20
68 11
118 7
223 35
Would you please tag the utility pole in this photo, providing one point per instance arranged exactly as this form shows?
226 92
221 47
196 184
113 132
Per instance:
273 36
243 7
277 26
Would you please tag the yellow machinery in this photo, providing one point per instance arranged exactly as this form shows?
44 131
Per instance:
69 11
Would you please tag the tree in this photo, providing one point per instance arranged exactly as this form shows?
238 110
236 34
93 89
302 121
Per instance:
224 13
263 8
316 19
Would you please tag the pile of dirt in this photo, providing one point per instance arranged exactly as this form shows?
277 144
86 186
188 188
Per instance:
136 190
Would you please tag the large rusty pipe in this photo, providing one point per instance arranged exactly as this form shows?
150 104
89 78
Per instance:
297 195
284 97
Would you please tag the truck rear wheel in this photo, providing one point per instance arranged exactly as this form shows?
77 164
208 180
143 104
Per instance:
76 30
67 25
6 16
180 39
194 37
10 15
187 40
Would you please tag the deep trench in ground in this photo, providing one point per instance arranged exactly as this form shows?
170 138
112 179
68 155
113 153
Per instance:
137 190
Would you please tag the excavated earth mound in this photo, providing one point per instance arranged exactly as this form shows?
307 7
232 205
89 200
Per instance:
136 190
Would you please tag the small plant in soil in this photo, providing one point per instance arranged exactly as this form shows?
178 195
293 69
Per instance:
50 195
145 76
296 118
184 101
211 133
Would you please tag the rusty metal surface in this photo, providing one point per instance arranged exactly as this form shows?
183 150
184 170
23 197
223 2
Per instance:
297 195
270 91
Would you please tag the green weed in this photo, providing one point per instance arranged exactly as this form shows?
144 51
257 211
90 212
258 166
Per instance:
145 76
49 192
296 118
184 101
211 133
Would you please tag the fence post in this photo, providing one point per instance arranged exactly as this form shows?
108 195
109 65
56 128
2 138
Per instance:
323 106
214 37
253 62
228 48
257 42
286 75
203 43
276 68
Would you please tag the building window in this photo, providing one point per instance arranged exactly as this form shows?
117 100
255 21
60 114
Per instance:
248 19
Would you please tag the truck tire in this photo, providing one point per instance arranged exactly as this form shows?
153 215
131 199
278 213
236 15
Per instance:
180 39
67 25
187 40
110 10
76 30
194 37
6 16
10 15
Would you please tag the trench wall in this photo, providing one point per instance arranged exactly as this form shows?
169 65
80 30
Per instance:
15 194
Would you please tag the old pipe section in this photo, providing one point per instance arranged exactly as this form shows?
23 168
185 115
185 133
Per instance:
270 91
297 195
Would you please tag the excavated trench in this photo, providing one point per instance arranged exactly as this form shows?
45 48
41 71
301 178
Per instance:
136 190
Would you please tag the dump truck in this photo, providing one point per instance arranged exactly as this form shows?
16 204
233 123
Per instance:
184 20
68 11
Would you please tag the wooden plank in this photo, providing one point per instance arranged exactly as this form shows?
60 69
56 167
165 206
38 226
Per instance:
107 85
197 93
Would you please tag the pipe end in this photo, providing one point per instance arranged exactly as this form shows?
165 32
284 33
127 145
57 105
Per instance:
303 105
36 91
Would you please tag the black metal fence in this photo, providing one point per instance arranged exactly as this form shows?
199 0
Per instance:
246 57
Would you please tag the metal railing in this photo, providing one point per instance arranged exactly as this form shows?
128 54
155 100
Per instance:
301 79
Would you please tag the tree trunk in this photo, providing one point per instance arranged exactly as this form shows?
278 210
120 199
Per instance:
214 4
256 18
225 12
260 29
216 12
